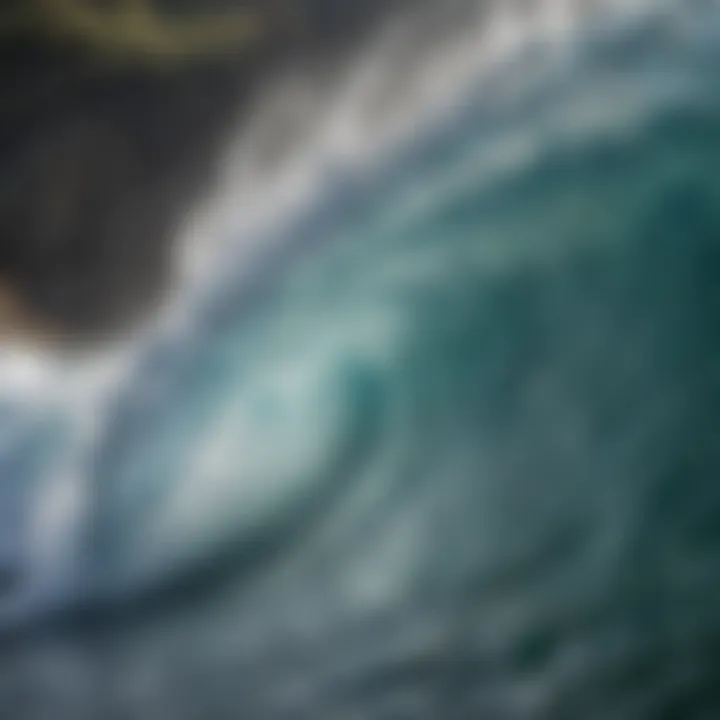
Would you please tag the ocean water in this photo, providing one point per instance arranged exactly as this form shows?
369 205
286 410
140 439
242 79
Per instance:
430 430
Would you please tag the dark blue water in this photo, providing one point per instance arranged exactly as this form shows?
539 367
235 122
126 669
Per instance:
449 450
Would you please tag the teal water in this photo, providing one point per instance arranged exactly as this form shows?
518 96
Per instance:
448 451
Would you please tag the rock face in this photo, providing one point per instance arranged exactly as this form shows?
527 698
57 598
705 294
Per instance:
111 119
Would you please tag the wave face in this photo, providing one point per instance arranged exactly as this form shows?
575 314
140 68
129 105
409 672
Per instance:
439 441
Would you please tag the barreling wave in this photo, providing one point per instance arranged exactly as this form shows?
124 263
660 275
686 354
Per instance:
440 443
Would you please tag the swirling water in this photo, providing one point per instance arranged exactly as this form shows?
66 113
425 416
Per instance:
440 443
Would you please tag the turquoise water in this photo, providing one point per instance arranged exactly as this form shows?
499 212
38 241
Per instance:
449 450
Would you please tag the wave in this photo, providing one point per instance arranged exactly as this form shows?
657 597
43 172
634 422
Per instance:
409 432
